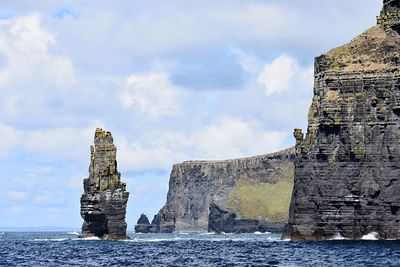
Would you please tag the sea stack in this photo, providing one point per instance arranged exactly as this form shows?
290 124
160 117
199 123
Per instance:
103 203
347 168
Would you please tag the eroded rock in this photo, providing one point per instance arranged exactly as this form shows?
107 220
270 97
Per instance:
143 225
347 167
103 203
256 189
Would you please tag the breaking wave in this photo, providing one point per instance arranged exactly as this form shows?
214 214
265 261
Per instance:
72 233
370 236
338 236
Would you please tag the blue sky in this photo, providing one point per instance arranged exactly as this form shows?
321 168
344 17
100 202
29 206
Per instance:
173 80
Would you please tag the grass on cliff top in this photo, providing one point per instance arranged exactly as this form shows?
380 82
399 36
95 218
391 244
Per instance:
262 201
372 50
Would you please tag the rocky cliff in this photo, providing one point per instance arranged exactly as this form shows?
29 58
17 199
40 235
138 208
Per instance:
347 167
103 203
252 193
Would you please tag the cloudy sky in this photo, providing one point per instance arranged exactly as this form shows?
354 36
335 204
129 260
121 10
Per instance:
173 80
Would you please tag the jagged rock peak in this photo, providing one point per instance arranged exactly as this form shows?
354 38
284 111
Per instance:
103 203
103 173
390 16
143 219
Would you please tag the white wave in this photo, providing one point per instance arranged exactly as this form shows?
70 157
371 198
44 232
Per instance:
209 233
51 239
223 233
370 236
338 236
259 233
73 233
87 238
151 240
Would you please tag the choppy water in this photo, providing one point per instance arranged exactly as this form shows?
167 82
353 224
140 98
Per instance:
64 249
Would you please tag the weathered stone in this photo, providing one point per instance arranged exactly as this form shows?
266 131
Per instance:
256 189
143 225
347 168
103 203
222 221
390 16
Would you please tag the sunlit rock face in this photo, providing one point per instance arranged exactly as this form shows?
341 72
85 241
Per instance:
347 167
103 203
239 195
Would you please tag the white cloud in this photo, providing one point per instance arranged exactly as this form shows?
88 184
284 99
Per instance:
16 209
160 153
66 142
24 44
76 181
277 76
152 94
48 198
232 138
228 138
9 138
15 195
249 62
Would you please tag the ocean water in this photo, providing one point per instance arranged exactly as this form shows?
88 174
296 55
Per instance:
64 249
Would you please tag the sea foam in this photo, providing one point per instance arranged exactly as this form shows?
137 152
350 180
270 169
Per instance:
72 233
370 236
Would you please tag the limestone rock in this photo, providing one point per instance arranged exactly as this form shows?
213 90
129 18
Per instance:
257 189
103 203
347 167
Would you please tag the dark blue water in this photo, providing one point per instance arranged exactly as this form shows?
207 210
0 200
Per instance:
64 249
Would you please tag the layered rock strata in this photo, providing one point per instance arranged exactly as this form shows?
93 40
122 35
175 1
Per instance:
347 167
103 203
222 221
255 189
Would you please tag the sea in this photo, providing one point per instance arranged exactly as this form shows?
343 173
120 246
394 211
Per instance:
208 249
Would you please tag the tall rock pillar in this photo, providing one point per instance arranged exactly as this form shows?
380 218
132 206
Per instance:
103 203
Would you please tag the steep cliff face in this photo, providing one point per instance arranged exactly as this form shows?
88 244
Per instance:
103 203
347 168
257 189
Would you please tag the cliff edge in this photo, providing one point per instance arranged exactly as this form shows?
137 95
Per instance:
240 195
347 167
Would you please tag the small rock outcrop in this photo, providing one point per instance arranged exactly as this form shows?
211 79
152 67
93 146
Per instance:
103 203
347 167
143 225
222 221
254 191
156 226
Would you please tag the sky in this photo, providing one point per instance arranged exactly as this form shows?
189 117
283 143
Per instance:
172 80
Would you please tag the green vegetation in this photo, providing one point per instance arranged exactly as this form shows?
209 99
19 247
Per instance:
262 200
109 183
372 50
